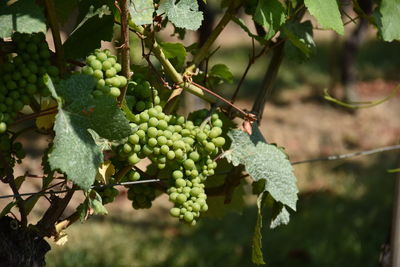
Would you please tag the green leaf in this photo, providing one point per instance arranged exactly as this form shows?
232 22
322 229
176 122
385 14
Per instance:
301 43
141 11
242 25
64 9
7 209
264 161
388 20
97 25
270 14
256 253
174 50
75 152
221 72
21 16
97 204
184 14
327 14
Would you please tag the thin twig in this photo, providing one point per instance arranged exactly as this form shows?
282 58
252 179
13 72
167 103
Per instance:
252 60
78 189
349 155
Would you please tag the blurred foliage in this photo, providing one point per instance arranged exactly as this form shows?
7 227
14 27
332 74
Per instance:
375 60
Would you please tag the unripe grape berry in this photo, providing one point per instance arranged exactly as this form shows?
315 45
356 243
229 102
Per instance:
96 64
180 182
175 212
188 217
3 127
219 141
181 198
177 174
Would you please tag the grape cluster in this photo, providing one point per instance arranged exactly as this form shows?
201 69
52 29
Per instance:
141 195
103 66
108 194
185 148
13 152
21 76
140 95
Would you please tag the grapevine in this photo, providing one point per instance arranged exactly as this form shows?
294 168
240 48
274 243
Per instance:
109 122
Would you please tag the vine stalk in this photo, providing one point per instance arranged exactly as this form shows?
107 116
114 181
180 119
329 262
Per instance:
125 50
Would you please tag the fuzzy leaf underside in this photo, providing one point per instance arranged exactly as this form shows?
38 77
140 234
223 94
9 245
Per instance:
184 14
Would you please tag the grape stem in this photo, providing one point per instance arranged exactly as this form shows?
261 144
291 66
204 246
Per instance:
52 110
123 6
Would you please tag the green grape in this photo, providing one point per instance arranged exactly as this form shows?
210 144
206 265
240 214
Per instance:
3 127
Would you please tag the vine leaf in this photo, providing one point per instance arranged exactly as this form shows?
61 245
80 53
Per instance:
21 16
75 152
264 161
96 26
141 11
64 9
270 14
105 172
244 27
256 253
184 14
174 51
220 73
327 14
301 43
388 20
46 122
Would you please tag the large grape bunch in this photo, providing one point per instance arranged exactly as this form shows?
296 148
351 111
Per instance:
21 76
103 66
184 148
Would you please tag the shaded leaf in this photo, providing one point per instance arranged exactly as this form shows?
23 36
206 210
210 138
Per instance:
222 73
64 9
301 43
96 26
22 16
271 15
174 50
327 14
242 25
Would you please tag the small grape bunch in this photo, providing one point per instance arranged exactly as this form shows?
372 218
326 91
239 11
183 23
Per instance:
141 95
103 66
141 195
